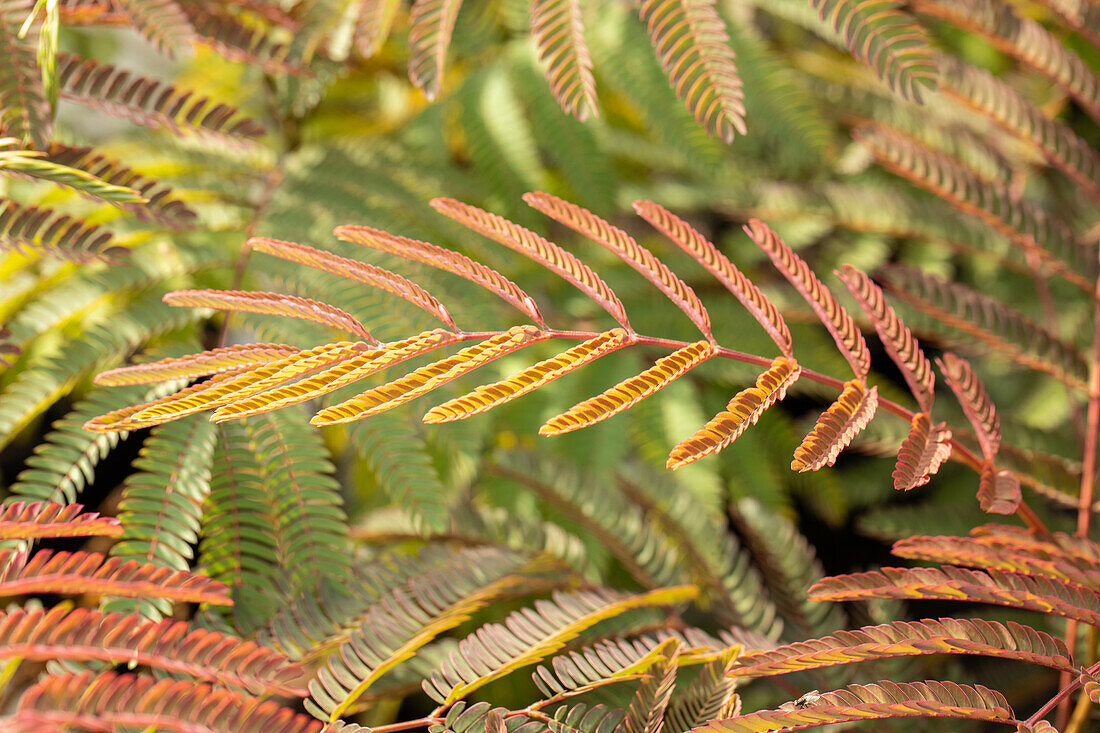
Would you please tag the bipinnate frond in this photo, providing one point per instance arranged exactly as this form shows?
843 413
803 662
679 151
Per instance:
34 164
910 638
887 39
432 23
974 400
837 426
709 696
998 489
22 520
427 378
896 337
646 712
878 701
213 361
162 22
527 380
88 572
143 702
742 411
354 270
923 451
625 248
169 645
630 391
275 304
446 260
530 635
25 109
717 264
149 102
541 250
691 41
843 329
27 228
558 29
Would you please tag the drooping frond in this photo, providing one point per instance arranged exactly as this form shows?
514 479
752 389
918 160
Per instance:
717 264
629 391
629 251
149 102
558 30
998 489
432 23
446 260
742 411
710 696
213 361
40 519
125 700
353 269
526 380
896 337
27 228
836 427
847 335
427 378
909 638
531 634
541 250
693 45
887 39
975 401
169 645
277 304
646 712
877 701
24 107
162 22
922 453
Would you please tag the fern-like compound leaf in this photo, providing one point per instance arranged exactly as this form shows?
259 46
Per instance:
162 22
717 264
446 260
218 28
998 490
34 164
432 24
646 712
26 228
709 696
923 451
146 703
836 427
629 391
604 663
910 638
844 331
353 269
558 29
427 378
541 250
742 411
896 337
373 26
887 39
213 361
691 41
277 304
169 645
25 110
975 401
527 380
39 519
531 634
878 701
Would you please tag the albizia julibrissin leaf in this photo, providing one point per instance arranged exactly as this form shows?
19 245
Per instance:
922 452
213 361
558 29
527 380
446 260
427 378
836 427
162 22
975 401
128 701
717 264
24 107
36 165
276 304
87 572
625 248
21 520
742 411
629 391
847 335
541 250
693 45
432 23
884 699
26 228
170 645
998 490
896 337
909 638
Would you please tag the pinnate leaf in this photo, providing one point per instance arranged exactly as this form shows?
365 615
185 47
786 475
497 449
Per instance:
922 453
558 29
836 427
277 304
